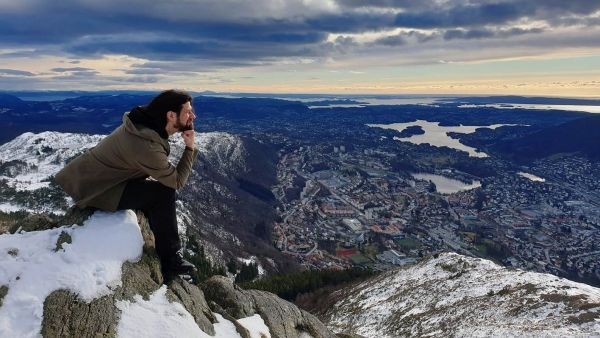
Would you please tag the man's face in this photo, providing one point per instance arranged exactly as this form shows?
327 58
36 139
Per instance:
185 121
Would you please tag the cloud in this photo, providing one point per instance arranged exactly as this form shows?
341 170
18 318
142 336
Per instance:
395 40
487 33
15 72
71 69
463 16
403 38
185 37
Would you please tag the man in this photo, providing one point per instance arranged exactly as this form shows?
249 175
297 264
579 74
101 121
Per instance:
114 174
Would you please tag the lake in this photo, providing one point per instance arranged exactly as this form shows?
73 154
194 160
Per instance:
445 185
531 177
437 135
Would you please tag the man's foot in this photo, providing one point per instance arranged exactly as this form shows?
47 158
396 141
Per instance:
178 266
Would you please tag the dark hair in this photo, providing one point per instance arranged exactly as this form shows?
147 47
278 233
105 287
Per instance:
169 100
154 115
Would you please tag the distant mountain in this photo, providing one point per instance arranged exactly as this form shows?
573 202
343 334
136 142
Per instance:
581 135
102 112
10 102
240 108
454 295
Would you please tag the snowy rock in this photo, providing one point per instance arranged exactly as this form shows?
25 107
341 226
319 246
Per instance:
455 295
103 279
283 318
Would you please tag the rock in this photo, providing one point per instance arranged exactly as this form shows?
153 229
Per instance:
64 237
193 300
230 297
283 318
66 315
75 215
241 330
45 221
3 292
348 335
34 222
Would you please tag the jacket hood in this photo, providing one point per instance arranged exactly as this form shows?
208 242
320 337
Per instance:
140 130
140 115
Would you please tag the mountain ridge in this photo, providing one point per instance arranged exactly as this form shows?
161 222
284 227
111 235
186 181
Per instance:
579 135
463 296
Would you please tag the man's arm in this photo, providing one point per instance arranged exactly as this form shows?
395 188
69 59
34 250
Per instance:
156 164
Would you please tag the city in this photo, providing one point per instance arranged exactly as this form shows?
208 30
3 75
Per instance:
343 208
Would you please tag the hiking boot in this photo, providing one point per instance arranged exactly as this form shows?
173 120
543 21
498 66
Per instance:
178 266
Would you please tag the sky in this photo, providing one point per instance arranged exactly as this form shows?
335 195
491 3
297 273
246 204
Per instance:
535 47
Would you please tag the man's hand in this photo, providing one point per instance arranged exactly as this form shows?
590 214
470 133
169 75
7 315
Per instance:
189 138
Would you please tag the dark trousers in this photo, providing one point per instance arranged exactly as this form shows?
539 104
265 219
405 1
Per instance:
157 202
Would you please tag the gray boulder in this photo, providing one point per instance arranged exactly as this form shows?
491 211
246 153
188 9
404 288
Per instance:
283 318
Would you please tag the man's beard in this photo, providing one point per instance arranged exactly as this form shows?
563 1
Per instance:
183 127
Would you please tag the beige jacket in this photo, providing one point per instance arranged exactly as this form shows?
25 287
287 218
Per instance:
98 177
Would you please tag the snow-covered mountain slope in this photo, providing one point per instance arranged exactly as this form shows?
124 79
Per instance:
28 161
87 262
454 295
223 152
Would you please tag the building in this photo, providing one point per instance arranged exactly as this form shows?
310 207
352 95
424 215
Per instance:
353 224
395 257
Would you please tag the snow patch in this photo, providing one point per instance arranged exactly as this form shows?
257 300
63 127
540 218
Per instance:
256 325
156 317
253 259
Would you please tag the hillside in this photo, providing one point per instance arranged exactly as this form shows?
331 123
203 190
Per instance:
580 135
454 295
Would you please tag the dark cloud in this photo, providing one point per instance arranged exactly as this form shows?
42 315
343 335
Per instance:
379 3
15 72
242 36
402 38
396 40
463 16
487 33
